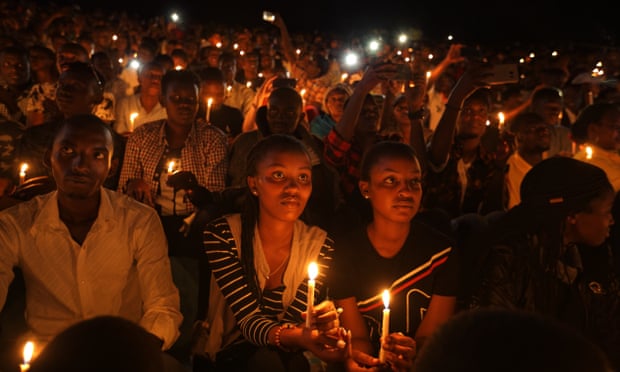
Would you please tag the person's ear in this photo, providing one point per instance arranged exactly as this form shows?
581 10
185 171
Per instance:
47 159
363 186
97 94
114 163
252 185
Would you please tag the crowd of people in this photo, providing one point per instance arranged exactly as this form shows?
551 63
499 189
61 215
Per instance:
175 186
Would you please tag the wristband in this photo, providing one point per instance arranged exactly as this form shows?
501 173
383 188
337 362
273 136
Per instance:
277 340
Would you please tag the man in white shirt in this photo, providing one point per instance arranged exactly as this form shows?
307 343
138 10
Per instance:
533 138
85 250
143 107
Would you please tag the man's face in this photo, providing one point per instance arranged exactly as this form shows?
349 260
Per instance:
80 160
67 55
534 137
472 120
14 69
283 114
150 81
76 93
181 103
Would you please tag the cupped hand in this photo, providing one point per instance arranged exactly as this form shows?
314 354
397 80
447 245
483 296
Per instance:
400 351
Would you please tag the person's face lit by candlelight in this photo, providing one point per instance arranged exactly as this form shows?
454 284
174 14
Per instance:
180 97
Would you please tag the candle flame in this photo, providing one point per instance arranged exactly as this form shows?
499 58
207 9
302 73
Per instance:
28 351
428 75
133 116
313 270
501 117
170 167
209 101
386 298
589 152
23 168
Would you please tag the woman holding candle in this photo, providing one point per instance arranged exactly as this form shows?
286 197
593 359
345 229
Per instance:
259 260
396 251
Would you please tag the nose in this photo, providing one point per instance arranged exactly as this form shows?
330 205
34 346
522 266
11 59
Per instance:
80 162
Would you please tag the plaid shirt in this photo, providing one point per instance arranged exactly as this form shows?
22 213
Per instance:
484 193
204 154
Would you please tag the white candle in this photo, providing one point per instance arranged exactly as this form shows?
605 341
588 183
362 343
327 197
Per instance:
313 271
209 103
28 351
385 324
171 166
501 119
22 173
132 120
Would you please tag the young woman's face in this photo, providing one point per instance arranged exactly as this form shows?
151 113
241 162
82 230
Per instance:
283 184
592 227
394 189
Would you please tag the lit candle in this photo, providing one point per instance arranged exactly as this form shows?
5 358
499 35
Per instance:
228 90
313 271
132 120
501 118
343 77
385 324
28 351
209 103
22 173
171 165
428 76
589 152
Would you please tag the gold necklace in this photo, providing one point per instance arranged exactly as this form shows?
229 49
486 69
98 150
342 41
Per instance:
277 269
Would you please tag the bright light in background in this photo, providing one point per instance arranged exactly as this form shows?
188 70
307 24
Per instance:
532 55
351 59
114 37
373 45
450 37
430 56
218 45
521 60
599 64
135 64
554 53
402 38
174 17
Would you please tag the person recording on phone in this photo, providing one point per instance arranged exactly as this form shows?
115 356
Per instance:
463 176
314 71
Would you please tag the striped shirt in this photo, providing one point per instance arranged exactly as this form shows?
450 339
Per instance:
256 317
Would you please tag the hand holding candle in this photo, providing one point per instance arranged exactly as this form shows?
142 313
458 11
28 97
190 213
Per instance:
28 351
385 324
313 271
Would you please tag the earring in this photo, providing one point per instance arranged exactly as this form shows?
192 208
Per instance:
366 196
255 192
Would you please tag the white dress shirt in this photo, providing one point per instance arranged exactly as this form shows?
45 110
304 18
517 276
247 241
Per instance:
122 268
130 104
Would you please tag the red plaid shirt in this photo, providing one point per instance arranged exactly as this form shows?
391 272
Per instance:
346 157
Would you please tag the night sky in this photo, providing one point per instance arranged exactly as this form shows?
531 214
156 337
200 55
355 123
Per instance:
486 21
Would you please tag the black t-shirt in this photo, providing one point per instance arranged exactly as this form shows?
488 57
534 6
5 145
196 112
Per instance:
426 265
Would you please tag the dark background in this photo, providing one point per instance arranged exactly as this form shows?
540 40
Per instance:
480 21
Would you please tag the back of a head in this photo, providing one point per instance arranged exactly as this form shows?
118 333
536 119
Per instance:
564 184
489 340
547 94
101 344
589 115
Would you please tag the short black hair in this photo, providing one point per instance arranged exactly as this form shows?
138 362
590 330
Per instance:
179 76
